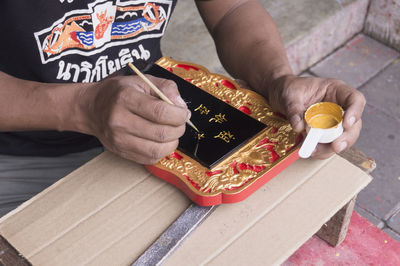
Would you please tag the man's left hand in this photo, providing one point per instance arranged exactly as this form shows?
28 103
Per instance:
292 95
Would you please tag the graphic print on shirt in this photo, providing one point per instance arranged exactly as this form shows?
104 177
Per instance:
103 24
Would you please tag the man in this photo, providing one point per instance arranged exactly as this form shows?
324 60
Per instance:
58 109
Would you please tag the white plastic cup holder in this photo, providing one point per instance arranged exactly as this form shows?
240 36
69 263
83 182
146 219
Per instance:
321 135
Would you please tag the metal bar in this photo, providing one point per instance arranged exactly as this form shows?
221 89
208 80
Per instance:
174 236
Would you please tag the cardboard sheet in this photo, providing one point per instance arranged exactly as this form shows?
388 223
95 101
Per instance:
105 213
275 221
110 210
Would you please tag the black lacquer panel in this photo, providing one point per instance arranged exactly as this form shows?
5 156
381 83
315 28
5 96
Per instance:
225 128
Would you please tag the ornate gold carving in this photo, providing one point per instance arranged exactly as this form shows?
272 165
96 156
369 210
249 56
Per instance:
254 159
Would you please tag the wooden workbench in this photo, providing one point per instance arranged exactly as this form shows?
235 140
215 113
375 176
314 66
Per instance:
110 210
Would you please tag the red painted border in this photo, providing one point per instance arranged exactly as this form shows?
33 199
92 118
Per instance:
222 197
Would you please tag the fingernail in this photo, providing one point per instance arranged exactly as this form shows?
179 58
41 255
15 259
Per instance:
352 120
180 101
188 115
342 146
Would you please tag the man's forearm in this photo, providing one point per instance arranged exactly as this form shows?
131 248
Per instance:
248 43
28 105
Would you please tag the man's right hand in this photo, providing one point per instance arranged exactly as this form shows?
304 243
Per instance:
130 120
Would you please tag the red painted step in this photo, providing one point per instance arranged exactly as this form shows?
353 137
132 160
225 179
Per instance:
365 244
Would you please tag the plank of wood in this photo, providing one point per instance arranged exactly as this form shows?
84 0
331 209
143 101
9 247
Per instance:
334 231
9 256
359 159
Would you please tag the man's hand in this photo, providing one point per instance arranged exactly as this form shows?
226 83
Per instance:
129 119
292 95
122 112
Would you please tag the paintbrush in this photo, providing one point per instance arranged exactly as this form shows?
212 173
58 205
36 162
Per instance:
157 91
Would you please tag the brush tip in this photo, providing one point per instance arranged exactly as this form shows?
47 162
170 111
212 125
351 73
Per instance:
193 126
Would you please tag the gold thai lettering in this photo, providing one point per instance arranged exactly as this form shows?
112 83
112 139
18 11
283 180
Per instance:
226 136
219 118
200 136
202 109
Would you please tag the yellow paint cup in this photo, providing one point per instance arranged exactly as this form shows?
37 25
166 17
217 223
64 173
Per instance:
324 125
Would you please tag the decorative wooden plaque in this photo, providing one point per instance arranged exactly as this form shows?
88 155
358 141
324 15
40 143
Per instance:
232 176
223 128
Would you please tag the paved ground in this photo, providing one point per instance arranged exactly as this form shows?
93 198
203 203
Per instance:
374 69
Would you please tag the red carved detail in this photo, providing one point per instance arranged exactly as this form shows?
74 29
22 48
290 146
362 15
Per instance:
176 155
190 80
274 156
169 69
216 84
245 109
206 191
248 103
166 158
211 173
187 67
226 101
258 168
269 147
274 130
233 165
255 168
264 141
242 166
194 184
228 84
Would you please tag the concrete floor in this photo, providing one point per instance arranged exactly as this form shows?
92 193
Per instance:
374 68
312 30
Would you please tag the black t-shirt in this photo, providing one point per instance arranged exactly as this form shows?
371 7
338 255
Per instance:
64 41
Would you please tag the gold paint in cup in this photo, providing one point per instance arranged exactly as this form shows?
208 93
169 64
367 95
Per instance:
324 115
324 125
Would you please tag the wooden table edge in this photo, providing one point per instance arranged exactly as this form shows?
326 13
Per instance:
9 256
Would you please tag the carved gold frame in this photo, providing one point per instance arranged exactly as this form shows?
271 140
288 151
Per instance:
247 169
